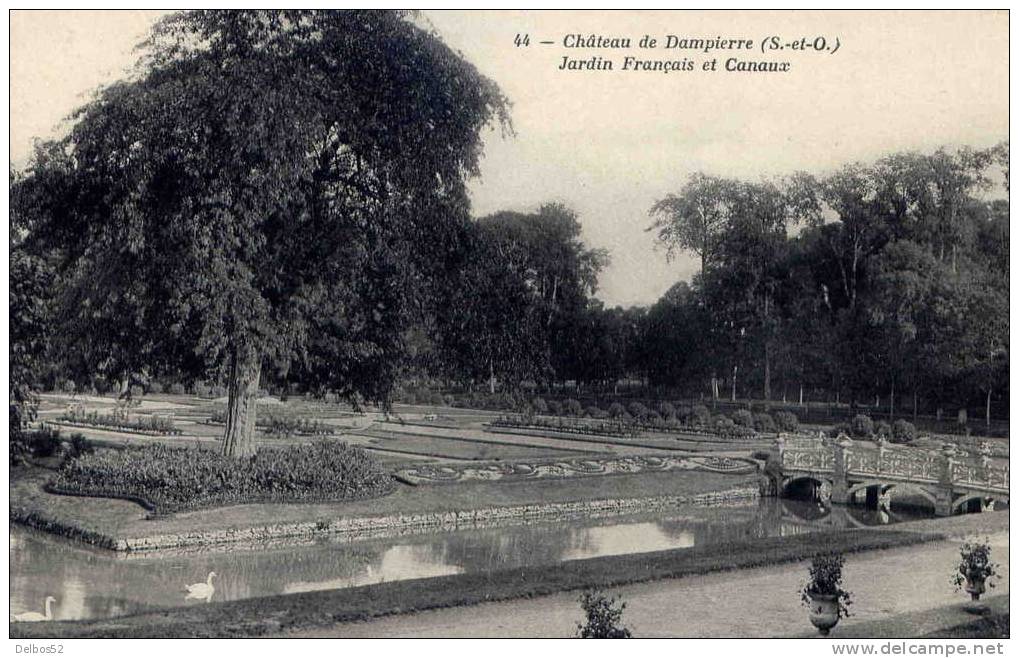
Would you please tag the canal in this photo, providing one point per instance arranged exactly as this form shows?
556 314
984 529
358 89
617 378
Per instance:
90 583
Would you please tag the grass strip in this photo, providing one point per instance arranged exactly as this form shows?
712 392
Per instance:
986 627
256 617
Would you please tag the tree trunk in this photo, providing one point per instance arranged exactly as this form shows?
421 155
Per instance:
245 372
989 408
491 377
801 394
891 403
767 373
914 406
734 369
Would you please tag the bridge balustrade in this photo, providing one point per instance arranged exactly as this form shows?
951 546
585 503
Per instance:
946 477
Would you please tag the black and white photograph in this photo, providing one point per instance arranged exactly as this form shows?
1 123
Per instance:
509 323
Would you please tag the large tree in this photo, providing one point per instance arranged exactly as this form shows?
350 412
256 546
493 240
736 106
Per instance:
270 188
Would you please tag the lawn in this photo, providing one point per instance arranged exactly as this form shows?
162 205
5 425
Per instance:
106 520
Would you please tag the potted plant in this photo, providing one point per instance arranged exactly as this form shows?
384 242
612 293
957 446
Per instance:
975 572
823 594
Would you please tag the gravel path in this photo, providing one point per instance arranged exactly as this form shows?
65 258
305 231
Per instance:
761 602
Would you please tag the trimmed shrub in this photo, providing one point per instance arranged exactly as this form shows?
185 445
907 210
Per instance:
136 391
903 431
555 407
155 388
786 421
595 412
448 400
882 429
177 388
79 446
862 426
723 423
539 406
201 389
638 410
617 410
573 408
764 423
177 478
683 413
700 416
667 411
743 418
67 386
221 392
44 442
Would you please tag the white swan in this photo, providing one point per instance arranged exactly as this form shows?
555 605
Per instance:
38 616
201 590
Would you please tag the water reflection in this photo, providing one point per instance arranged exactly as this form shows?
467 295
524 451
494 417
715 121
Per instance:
90 583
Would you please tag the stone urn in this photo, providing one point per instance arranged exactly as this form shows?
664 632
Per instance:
975 585
824 611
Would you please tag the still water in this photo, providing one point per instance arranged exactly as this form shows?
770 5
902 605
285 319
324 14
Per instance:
91 583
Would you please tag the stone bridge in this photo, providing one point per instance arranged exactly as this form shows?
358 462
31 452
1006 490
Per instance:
844 471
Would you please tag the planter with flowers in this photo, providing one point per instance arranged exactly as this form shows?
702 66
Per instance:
824 595
975 572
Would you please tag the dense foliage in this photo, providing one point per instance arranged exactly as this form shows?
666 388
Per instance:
258 198
174 478
975 564
884 283
604 617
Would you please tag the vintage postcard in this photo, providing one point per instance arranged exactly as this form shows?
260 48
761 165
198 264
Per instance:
335 323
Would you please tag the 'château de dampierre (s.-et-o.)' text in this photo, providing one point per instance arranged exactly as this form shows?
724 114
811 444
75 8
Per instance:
768 54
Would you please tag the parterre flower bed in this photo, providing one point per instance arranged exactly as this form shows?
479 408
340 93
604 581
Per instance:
156 425
175 478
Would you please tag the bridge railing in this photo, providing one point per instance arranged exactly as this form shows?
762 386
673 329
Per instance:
842 457
981 475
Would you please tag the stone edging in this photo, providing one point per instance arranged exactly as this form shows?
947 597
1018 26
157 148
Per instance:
376 526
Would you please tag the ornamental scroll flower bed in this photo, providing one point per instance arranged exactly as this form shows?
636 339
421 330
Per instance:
569 468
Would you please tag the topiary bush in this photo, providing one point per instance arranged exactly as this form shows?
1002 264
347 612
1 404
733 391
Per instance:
700 416
882 429
177 388
862 427
617 410
667 411
786 421
555 407
637 410
573 408
219 391
79 446
67 386
903 431
44 442
763 422
743 418
595 412
539 406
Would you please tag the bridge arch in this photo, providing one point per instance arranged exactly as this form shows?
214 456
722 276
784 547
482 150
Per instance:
914 488
960 502
818 482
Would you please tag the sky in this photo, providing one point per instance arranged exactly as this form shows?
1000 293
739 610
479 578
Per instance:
611 143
